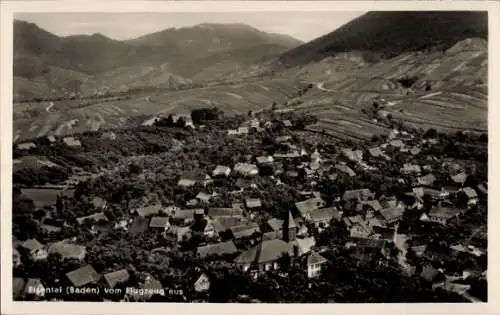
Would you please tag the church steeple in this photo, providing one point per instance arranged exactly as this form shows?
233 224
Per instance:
289 229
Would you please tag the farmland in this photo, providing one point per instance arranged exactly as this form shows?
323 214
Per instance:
68 116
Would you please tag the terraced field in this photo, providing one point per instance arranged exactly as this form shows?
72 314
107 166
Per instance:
67 117
457 100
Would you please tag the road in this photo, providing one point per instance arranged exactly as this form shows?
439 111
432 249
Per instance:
47 109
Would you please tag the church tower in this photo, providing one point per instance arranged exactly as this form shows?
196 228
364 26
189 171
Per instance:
289 229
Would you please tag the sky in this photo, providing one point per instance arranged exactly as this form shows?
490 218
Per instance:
304 26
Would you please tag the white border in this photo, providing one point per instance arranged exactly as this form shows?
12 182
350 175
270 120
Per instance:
6 20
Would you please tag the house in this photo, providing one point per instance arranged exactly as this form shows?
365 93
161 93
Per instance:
483 188
246 169
98 203
219 249
264 160
203 197
72 142
264 256
434 194
116 277
397 143
415 150
345 169
180 233
184 216
206 227
109 136
392 215
225 212
245 230
51 139
202 284
376 152
288 155
93 218
443 215
426 180
26 146
282 139
383 233
323 216
419 250
34 287
68 250
373 205
360 230
309 205
304 245
469 196
275 224
355 156
221 170
186 182
459 178
358 194
121 225
35 248
253 203
314 264
160 224
410 169
83 276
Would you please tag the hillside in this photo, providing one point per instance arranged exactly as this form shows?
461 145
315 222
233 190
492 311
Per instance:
173 57
388 34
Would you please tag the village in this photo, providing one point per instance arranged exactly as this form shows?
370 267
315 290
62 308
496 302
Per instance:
230 204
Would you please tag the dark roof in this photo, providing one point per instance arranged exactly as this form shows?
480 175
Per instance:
275 224
149 210
427 180
325 214
224 212
469 192
68 250
158 222
315 258
253 203
359 194
307 206
391 213
443 212
291 222
374 204
83 276
272 235
229 222
119 276
266 251
217 249
245 230
32 244
184 214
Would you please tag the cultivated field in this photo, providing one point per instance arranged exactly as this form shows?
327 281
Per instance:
67 117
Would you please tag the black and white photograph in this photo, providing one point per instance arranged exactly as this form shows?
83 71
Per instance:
330 156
